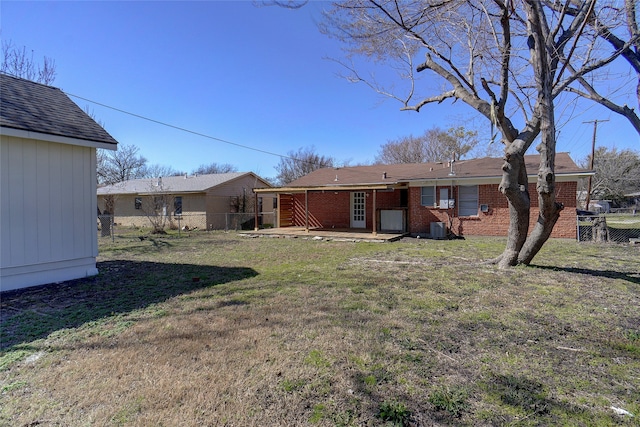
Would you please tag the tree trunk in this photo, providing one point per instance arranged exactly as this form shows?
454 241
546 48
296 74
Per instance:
515 188
549 210
521 248
600 230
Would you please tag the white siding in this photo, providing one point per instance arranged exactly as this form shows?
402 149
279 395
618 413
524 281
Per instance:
47 212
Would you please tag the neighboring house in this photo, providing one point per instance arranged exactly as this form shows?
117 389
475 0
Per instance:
47 185
632 200
600 206
427 199
197 200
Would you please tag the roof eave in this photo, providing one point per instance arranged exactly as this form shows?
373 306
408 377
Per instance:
351 187
27 134
396 184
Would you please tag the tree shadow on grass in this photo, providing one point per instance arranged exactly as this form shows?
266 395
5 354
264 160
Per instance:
120 287
608 274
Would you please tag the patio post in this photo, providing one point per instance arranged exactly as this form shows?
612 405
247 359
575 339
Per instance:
374 219
255 208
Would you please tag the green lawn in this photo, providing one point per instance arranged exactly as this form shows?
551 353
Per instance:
228 330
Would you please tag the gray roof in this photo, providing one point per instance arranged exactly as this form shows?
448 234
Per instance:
177 184
34 107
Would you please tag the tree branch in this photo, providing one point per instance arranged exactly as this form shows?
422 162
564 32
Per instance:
439 98
577 75
593 95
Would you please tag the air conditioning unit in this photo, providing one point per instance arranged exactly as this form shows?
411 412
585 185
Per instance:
438 230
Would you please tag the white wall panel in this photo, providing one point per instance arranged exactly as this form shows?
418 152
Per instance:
43 202
48 210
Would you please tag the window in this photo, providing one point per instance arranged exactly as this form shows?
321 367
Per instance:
138 203
428 196
177 205
468 200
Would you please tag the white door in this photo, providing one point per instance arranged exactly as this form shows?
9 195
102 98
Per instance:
358 209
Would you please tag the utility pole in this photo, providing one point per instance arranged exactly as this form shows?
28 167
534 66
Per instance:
593 153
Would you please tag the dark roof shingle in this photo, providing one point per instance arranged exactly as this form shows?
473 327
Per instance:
34 107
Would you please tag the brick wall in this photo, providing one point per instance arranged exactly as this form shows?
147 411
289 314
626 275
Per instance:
331 209
495 222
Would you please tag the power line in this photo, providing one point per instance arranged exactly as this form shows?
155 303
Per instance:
246 147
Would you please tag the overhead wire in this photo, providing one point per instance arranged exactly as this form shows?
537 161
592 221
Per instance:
182 129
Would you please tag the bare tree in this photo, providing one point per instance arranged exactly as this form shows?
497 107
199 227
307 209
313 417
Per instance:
121 165
158 206
214 168
91 113
299 163
510 60
155 171
616 173
17 62
435 145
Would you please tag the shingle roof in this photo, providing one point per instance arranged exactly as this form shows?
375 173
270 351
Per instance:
174 184
487 167
34 107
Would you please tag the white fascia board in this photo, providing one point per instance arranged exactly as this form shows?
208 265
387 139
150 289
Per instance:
19 133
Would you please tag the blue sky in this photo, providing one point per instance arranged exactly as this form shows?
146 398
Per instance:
254 76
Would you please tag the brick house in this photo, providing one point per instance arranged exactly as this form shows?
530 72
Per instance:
427 199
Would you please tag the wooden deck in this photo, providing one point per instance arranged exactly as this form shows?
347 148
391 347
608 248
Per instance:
328 234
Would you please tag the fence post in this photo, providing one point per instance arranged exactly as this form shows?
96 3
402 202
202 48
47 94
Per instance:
578 228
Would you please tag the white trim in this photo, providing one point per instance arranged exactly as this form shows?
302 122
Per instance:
353 222
19 133
24 276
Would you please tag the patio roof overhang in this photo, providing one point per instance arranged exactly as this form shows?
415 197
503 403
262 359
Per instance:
456 179
345 187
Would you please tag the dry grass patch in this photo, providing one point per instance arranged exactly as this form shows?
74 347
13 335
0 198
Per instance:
217 329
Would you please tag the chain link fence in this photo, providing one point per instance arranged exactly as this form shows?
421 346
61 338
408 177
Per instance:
614 228
110 226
